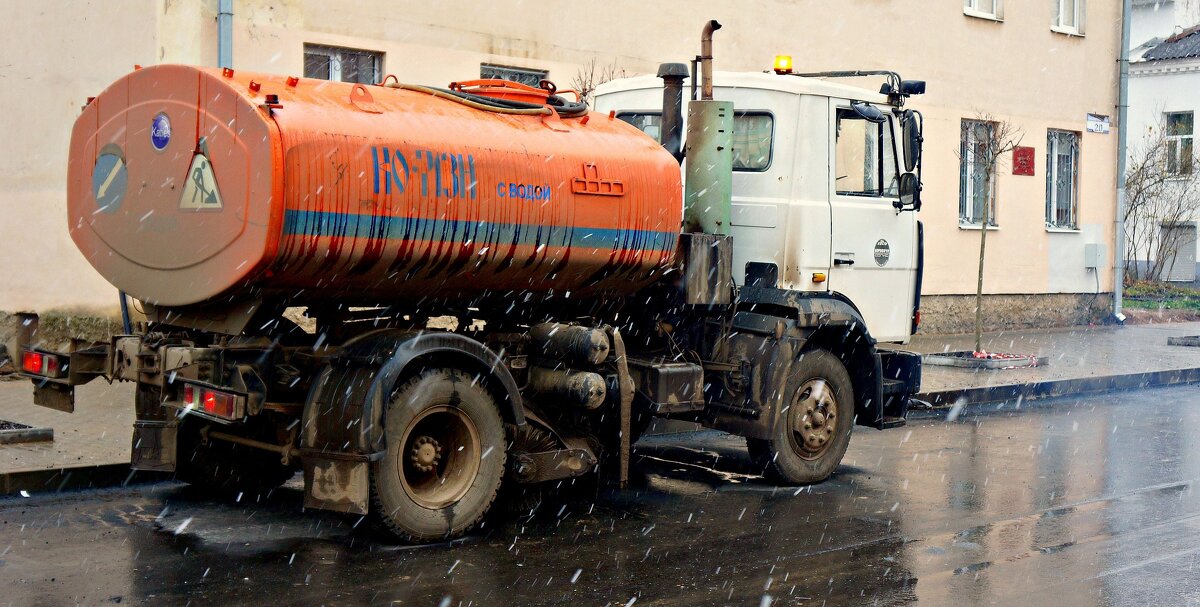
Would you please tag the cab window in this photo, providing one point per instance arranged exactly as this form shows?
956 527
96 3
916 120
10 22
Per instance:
753 136
865 162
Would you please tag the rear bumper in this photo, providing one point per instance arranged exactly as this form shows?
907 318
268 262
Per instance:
54 384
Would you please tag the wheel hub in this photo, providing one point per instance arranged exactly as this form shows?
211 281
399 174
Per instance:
814 418
426 453
440 456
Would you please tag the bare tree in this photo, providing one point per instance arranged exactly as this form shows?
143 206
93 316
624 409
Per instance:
590 76
1162 188
989 146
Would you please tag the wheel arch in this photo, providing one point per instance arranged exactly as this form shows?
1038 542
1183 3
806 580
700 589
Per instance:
342 429
830 321
853 345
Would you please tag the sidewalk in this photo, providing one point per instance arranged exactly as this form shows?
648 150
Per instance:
1101 357
91 446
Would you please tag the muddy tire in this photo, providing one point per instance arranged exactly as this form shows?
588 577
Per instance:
812 432
444 461
226 468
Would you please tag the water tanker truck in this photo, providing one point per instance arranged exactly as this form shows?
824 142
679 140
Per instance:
418 296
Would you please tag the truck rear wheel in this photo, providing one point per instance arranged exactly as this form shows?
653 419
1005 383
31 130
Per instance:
812 432
444 460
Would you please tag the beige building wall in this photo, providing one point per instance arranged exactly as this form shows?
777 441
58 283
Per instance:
55 55
1016 70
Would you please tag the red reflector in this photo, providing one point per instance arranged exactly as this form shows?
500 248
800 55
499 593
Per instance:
31 362
916 319
217 403
189 396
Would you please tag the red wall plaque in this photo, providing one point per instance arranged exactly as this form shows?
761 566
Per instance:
1022 161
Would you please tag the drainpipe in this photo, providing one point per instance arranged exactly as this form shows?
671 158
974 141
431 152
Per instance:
1122 143
225 33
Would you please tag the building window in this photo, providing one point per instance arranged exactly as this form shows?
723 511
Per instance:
1178 132
986 9
342 64
865 157
525 76
1062 179
976 179
753 135
1068 16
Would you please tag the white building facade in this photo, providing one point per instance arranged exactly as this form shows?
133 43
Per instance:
1164 102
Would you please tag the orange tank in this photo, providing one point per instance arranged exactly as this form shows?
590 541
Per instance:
190 184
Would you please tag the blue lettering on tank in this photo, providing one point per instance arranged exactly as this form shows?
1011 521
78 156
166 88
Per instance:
523 191
388 169
442 175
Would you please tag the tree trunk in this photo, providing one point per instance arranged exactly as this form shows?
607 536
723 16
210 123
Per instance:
987 204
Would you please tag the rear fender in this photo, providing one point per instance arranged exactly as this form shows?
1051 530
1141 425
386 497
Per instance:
343 417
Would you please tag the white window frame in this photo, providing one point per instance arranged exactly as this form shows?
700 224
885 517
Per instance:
1175 142
971 9
1054 139
967 217
1057 24
338 54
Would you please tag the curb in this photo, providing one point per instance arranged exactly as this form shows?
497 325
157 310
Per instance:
85 477
1063 387
110 475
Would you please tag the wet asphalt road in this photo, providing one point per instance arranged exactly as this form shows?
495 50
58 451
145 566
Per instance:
1073 502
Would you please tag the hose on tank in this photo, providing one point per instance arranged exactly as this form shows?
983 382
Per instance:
566 109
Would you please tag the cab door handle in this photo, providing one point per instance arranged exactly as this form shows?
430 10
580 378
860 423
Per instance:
838 261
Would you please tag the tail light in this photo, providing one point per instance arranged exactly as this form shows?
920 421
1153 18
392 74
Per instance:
217 403
212 402
42 363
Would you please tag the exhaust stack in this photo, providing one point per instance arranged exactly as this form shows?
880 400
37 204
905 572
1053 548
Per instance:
671 130
706 93
708 177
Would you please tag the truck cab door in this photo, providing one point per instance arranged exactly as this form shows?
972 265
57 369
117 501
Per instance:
874 243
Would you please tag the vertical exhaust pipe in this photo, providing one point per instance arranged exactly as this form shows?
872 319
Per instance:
706 51
708 173
671 130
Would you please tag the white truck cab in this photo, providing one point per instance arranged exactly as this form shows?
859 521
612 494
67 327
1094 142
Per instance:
817 169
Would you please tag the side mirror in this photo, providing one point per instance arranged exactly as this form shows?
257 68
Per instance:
912 87
910 192
912 140
867 112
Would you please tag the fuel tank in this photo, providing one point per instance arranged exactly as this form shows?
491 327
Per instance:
187 185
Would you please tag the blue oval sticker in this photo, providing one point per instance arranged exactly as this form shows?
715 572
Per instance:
160 131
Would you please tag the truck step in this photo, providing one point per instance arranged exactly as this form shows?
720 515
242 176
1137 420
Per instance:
893 422
893 387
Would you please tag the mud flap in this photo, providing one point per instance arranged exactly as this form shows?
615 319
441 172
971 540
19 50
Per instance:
154 445
53 395
341 485
901 380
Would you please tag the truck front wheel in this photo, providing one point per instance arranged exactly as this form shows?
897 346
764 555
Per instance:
812 432
444 460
